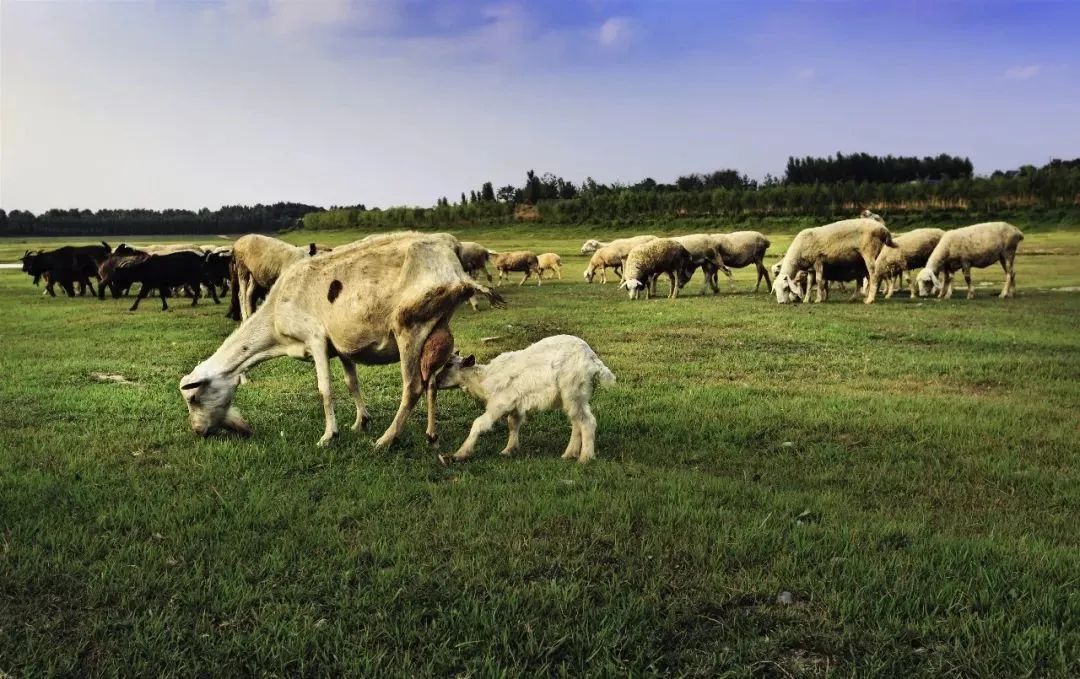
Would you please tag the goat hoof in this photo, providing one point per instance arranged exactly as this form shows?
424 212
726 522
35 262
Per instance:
326 439
432 438
364 422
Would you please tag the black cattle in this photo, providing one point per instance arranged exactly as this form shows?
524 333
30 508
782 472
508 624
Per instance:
160 272
69 265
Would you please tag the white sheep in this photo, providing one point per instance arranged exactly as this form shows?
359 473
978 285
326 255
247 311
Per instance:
739 249
611 255
842 245
912 250
648 261
555 372
592 245
979 245
549 261
703 249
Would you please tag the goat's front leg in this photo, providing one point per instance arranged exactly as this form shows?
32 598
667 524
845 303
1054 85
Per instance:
513 423
353 386
479 426
819 281
317 350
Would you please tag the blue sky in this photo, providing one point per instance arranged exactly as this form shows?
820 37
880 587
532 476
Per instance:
387 102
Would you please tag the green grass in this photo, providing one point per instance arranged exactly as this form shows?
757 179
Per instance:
924 515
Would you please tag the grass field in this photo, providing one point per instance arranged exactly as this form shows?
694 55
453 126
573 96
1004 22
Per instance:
908 471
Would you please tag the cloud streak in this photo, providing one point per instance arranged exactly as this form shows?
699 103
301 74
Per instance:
1022 72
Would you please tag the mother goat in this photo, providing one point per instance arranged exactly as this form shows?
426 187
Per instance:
380 300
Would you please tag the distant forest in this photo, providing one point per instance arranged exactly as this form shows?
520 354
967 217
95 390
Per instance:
229 219
940 188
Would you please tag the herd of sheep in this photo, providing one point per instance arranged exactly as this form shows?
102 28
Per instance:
389 299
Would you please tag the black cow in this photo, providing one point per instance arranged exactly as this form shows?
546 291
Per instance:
67 266
161 272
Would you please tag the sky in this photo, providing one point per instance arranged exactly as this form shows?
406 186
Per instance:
391 102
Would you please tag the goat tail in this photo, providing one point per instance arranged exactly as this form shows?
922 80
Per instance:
889 241
495 298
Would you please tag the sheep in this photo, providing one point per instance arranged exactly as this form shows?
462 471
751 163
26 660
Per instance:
474 258
549 261
979 245
647 261
611 255
380 300
739 249
555 372
912 250
257 263
521 260
840 244
702 247
591 245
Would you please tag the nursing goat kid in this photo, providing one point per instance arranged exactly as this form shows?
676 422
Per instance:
380 300
555 372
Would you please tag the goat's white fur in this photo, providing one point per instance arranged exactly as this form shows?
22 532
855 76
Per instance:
556 372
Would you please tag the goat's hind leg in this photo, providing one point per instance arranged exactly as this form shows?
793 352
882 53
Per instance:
586 426
353 385
513 424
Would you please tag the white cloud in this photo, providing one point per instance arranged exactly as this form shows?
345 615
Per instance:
615 32
1022 72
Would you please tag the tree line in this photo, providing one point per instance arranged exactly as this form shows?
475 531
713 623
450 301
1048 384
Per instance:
817 188
228 219
1052 190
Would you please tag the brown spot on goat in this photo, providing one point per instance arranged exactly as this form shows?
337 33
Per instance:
335 290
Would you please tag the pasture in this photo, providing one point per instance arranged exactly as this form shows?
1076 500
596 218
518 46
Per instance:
908 471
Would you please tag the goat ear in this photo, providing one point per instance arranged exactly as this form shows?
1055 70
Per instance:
108 247
469 361
311 249
193 385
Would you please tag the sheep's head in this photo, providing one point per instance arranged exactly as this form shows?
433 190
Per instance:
928 283
451 374
632 285
776 269
787 289
589 274
591 245
209 403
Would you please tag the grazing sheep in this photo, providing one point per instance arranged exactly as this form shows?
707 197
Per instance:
591 245
648 261
521 260
555 372
474 258
702 248
611 255
739 249
911 252
257 263
979 245
549 261
380 300
841 244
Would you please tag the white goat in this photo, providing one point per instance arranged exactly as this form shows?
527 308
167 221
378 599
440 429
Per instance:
384 299
555 372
